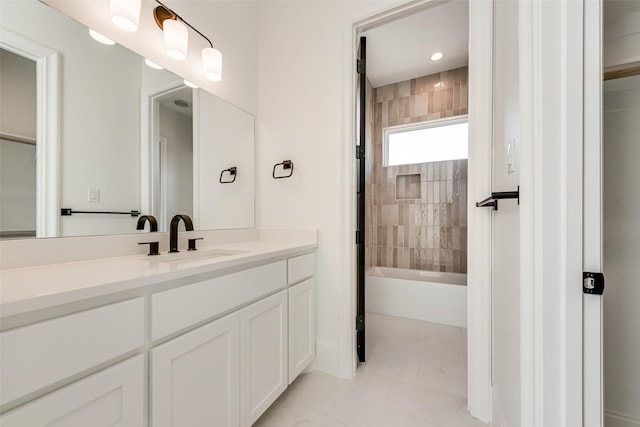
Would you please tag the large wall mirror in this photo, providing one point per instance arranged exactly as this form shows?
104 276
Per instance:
90 127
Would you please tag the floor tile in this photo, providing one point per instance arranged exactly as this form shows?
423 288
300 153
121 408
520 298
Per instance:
415 376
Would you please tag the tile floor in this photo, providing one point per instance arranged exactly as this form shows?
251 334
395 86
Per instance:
415 376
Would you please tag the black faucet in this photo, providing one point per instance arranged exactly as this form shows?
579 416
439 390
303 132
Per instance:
173 230
153 224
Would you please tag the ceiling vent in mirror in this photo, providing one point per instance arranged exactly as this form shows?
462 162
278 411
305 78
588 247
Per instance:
182 103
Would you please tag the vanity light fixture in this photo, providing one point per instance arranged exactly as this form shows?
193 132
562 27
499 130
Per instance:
152 64
437 56
176 38
126 14
100 38
188 83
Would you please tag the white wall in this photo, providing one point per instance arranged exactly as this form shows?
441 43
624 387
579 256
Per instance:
305 51
506 225
178 130
621 247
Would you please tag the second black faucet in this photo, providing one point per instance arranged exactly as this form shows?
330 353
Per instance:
173 230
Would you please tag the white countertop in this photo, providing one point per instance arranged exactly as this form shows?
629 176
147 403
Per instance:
37 287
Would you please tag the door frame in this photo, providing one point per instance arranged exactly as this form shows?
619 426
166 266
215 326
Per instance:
479 220
48 127
149 145
557 67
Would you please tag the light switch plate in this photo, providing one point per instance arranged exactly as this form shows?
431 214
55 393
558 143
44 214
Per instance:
93 195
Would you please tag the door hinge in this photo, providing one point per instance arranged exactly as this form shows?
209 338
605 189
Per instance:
360 154
359 237
360 323
361 66
592 283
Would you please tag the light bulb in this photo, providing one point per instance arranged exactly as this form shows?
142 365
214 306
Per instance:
152 64
100 38
126 14
212 64
188 83
176 39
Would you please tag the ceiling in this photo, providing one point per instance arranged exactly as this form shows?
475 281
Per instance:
401 50
184 94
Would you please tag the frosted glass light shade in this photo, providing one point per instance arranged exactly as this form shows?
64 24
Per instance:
100 38
126 14
152 64
212 64
176 39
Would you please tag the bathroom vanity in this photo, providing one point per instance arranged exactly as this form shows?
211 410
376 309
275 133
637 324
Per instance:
210 337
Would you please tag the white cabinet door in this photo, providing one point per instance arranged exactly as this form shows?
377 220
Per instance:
264 355
302 327
195 377
112 397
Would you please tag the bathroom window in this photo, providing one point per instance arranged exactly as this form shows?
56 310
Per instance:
432 141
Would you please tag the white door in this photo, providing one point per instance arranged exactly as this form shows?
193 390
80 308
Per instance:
112 397
302 327
195 377
264 355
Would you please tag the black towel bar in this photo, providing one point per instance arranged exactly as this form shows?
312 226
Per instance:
69 212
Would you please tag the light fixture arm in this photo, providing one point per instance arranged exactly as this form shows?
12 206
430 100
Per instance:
162 12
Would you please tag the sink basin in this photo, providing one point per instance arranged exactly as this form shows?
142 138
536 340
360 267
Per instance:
186 256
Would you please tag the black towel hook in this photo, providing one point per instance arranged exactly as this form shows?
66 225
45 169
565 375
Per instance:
233 171
286 164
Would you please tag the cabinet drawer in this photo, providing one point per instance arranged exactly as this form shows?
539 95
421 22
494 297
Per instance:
301 267
35 356
114 396
180 308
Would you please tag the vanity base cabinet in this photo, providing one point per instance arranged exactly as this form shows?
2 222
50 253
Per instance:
302 328
195 377
111 397
263 355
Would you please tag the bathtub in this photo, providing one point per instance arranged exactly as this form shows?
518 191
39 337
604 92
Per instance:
414 294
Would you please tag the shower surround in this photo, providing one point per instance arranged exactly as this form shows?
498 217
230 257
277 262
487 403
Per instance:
416 215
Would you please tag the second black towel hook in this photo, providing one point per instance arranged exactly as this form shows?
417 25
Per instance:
286 164
233 171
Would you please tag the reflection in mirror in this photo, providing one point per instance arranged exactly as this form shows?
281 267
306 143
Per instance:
113 135
17 146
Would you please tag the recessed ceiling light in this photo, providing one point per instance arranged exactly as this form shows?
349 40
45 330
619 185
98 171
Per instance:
437 56
100 38
152 64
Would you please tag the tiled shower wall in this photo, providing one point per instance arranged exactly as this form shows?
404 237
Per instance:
370 220
428 232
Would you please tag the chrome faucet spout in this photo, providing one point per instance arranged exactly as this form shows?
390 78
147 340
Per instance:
173 230
153 223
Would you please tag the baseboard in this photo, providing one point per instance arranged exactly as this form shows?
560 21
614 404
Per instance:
497 414
616 419
326 357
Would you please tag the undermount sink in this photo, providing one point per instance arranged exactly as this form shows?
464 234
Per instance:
185 255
